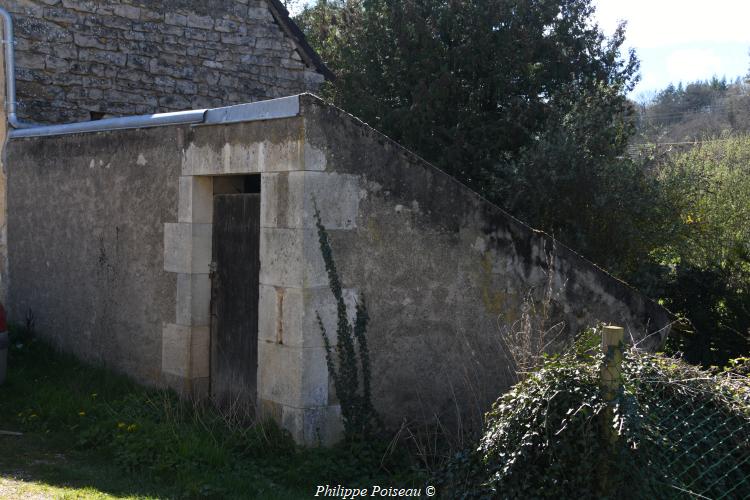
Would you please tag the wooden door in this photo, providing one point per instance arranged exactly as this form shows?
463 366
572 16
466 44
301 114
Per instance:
234 300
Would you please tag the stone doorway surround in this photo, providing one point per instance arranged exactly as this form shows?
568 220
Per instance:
266 138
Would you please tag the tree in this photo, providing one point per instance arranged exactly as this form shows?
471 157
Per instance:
464 83
524 101
698 111
706 266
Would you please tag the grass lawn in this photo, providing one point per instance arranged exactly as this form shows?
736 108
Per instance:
34 467
90 433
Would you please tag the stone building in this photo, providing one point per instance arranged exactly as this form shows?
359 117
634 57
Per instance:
86 59
183 251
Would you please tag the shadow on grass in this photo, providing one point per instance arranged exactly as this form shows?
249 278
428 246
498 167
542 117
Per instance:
42 466
87 427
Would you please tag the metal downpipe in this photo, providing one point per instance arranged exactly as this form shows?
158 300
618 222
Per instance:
10 72
26 129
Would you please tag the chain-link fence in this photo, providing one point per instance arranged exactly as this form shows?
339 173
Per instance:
693 428
699 448
616 423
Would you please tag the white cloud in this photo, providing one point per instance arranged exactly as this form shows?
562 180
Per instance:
657 23
694 64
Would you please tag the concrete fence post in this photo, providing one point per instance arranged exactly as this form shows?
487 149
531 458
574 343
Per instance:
609 378
610 383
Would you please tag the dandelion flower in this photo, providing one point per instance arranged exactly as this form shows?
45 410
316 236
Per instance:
81 413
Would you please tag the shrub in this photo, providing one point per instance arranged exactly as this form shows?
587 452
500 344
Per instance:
680 430
703 271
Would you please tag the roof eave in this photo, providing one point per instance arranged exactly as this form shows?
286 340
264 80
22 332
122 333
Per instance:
311 58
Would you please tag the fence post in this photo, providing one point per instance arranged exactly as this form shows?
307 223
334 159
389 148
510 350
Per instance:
610 382
609 378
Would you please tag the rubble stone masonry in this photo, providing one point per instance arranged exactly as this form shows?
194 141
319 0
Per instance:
85 59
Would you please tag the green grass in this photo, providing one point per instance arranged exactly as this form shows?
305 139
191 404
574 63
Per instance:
90 433
34 465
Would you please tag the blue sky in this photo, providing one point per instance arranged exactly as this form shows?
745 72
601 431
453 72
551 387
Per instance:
682 40
677 40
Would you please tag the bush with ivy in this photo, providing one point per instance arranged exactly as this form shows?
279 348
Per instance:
680 429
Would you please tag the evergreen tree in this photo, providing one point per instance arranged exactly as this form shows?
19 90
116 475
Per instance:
524 101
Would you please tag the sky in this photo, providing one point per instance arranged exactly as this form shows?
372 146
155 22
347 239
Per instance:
682 40
677 40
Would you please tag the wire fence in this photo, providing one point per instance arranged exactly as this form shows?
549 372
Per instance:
693 429
700 449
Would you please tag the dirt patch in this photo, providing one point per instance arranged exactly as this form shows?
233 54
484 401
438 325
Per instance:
17 488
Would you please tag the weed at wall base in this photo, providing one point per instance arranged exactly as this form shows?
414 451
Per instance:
99 421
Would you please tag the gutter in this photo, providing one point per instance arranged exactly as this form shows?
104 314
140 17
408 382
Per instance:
125 122
272 109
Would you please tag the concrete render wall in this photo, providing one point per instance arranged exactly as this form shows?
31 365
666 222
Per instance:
85 229
111 250
444 273
130 57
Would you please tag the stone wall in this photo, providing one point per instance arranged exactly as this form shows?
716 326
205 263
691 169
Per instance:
84 59
85 243
109 243
448 278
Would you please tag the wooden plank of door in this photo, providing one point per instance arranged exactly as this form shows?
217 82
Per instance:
234 300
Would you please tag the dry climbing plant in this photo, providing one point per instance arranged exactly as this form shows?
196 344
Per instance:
349 361
534 334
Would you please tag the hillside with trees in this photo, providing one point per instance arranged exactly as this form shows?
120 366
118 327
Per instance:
695 111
